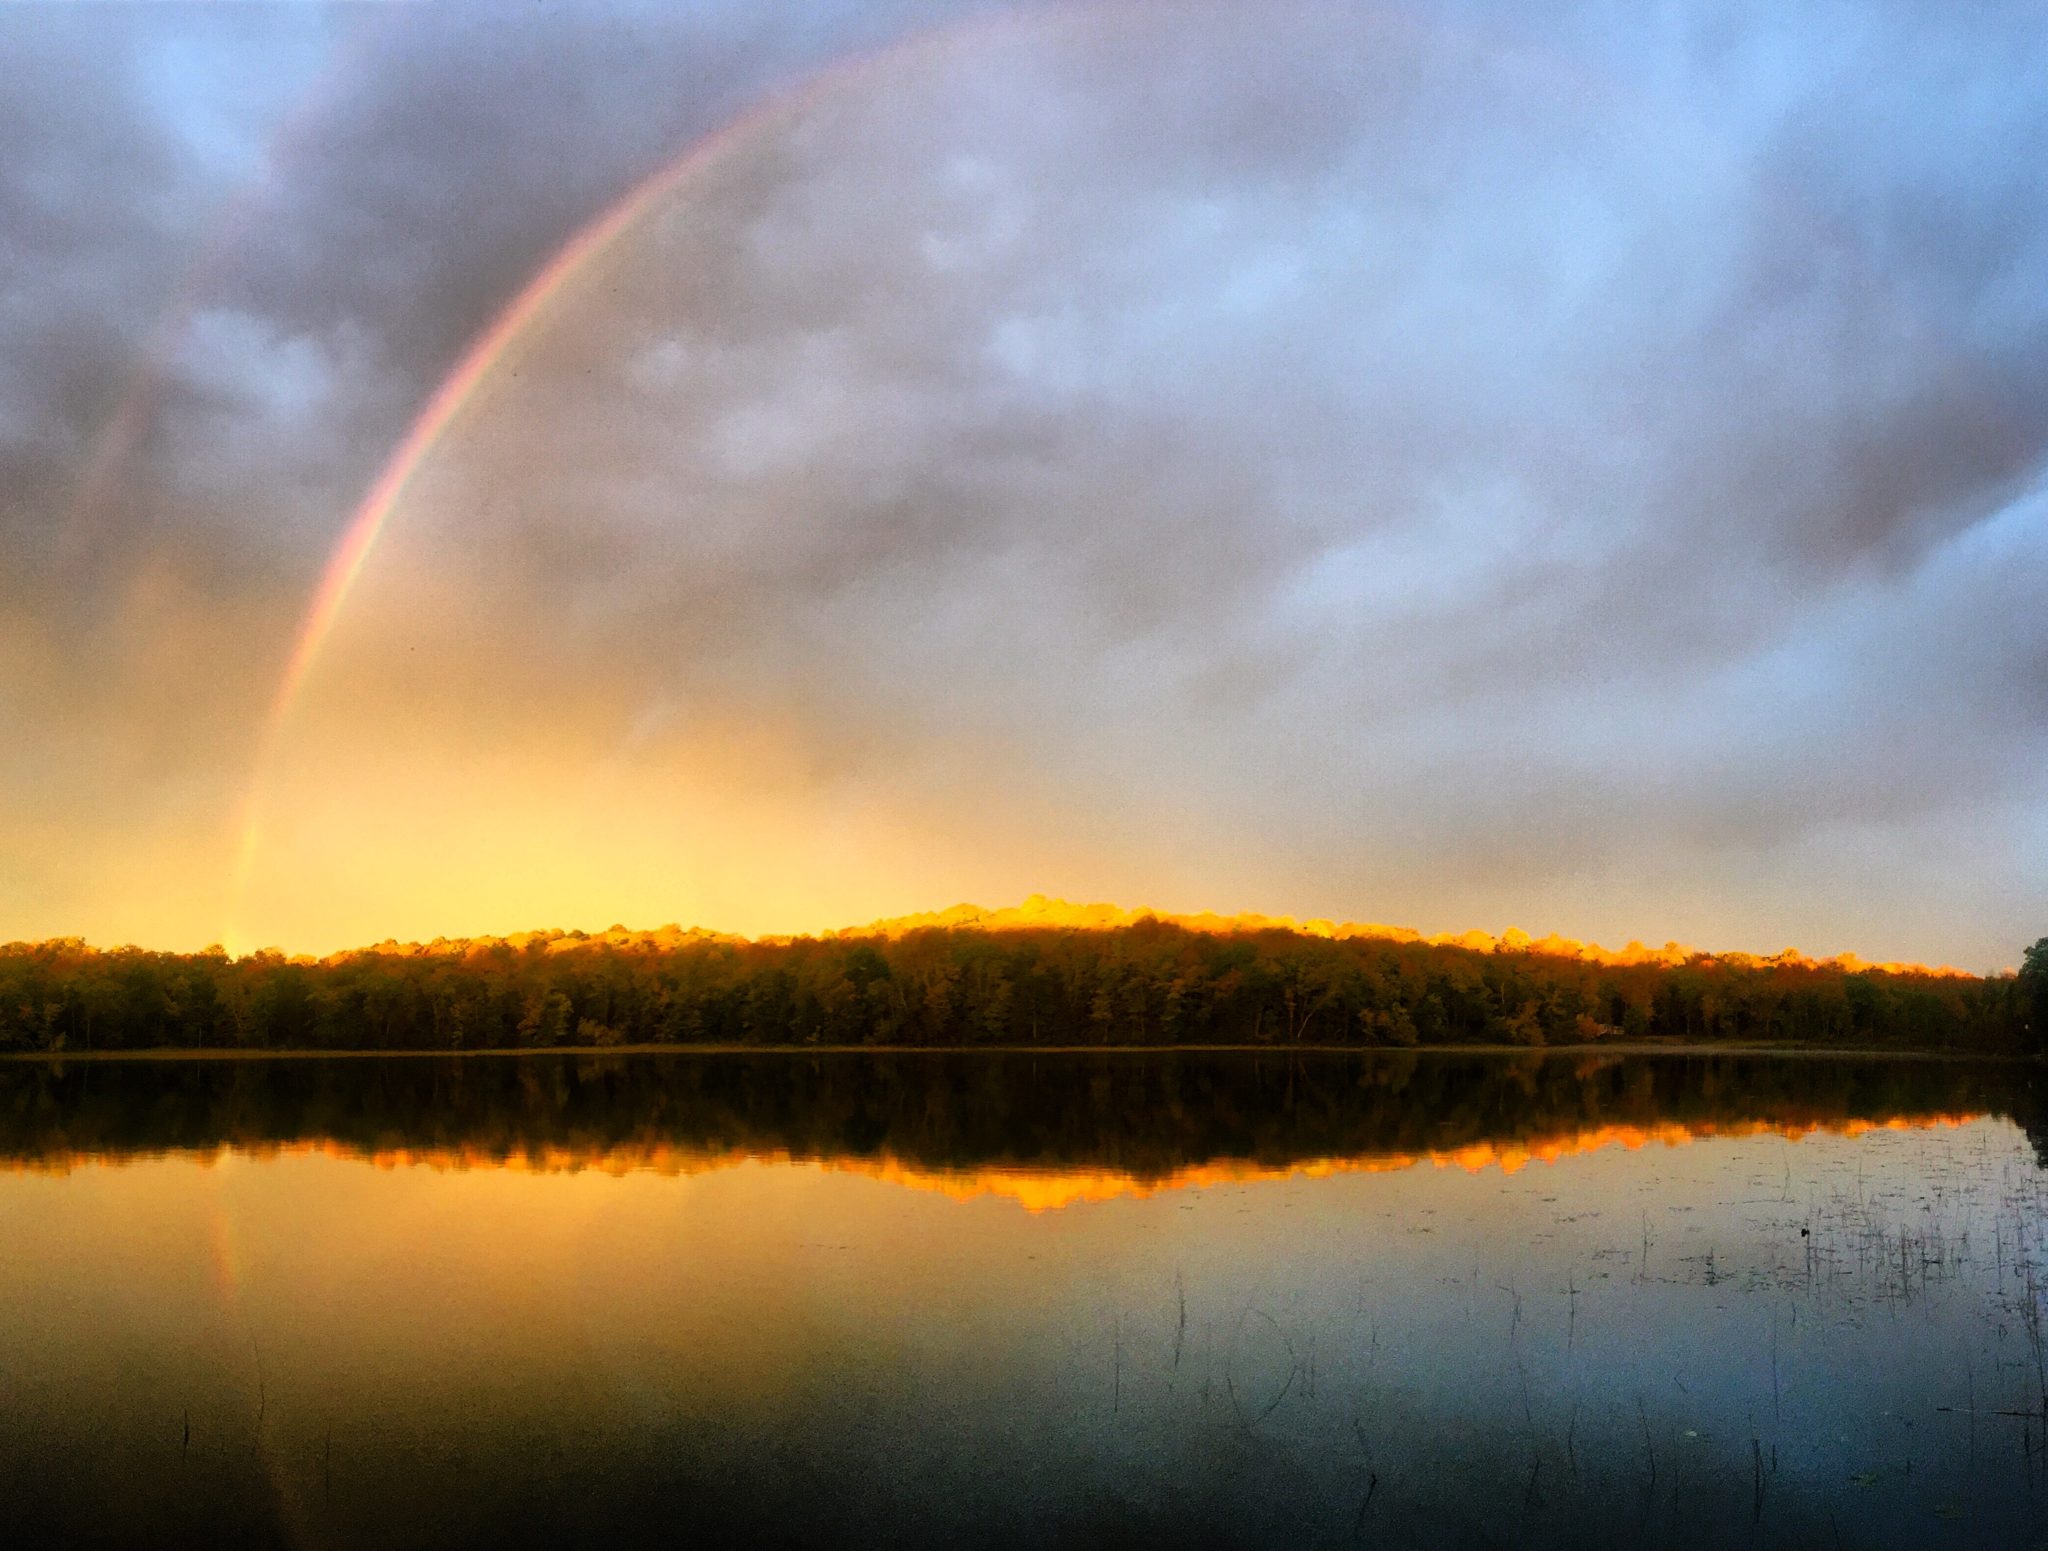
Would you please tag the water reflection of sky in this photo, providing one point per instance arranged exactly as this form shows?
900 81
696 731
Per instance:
1750 1338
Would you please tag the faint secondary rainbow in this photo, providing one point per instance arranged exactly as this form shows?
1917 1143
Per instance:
130 419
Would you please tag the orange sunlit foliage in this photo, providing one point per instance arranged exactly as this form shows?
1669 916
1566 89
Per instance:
1042 913
1044 973
1039 911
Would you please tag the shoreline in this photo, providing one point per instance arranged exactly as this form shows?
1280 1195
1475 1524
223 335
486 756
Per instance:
1629 1048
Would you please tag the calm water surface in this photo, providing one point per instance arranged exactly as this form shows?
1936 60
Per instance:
1225 1299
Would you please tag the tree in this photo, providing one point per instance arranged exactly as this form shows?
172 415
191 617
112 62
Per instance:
1149 983
2033 986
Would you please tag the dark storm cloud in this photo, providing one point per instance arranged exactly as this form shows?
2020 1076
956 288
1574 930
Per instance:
266 233
414 169
1450 453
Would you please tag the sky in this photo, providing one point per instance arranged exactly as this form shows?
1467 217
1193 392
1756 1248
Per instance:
1459 465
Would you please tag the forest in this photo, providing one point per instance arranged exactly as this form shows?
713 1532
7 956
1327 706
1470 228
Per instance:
1146 983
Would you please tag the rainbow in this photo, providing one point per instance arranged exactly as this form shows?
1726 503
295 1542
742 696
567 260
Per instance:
489 349
459 389
460 386
477 364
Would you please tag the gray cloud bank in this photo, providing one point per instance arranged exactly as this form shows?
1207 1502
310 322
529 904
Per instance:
1430 464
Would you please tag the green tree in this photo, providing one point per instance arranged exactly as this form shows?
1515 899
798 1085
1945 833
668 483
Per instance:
2033 987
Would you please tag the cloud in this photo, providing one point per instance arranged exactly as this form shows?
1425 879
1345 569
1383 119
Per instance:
1427 465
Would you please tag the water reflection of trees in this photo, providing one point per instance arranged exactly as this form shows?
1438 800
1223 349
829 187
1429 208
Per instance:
2027 1104
1147 1115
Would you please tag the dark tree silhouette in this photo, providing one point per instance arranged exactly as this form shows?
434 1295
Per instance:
2033 992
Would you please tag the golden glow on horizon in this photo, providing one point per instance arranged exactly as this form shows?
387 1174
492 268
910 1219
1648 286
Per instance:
1039 913
1033 1189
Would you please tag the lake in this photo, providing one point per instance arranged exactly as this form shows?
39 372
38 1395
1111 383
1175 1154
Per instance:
1024 1299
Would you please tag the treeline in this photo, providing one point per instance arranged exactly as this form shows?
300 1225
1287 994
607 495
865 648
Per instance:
1152 983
